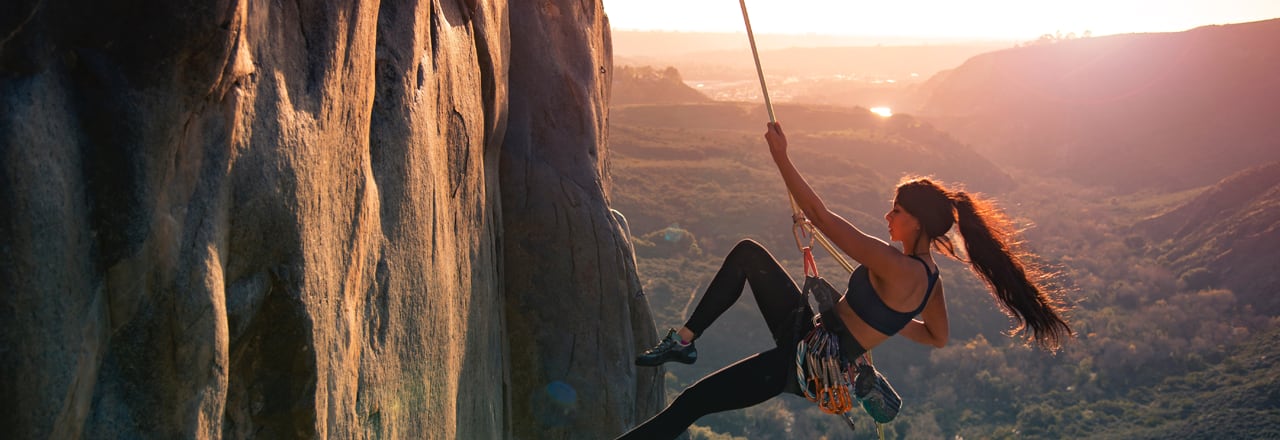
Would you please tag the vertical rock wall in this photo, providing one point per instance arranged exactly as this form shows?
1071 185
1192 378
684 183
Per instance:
249 218
260 219
575 314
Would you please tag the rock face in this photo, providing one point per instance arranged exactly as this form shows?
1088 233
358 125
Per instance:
571 288
251 219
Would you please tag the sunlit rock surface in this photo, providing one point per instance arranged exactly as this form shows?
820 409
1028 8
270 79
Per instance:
282 220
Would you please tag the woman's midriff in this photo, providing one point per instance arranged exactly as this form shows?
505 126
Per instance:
867 336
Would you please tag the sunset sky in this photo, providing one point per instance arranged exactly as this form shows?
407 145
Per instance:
942 19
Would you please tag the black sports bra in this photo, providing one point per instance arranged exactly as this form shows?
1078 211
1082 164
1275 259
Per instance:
864 300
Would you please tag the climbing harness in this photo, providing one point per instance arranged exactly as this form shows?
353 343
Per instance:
822 370
823 373
826 376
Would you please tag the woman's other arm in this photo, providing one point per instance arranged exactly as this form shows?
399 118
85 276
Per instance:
932 328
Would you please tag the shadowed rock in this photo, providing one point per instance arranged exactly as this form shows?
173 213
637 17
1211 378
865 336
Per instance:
572 293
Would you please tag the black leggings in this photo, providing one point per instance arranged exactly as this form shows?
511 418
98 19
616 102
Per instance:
757 378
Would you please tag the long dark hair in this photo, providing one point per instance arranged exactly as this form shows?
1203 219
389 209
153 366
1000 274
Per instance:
993 252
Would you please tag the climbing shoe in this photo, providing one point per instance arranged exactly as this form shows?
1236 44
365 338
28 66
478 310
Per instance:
668 350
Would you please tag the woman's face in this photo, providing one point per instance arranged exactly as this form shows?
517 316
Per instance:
903 226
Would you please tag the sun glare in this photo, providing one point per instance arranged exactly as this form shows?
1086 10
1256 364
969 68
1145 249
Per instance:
884 112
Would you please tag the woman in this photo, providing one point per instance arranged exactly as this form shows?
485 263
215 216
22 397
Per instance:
892 292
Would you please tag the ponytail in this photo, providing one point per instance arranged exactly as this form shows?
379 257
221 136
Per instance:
992 250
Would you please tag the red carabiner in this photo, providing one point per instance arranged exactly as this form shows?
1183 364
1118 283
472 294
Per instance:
810 266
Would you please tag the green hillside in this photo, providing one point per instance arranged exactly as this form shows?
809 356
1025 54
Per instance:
1238 398
1226 236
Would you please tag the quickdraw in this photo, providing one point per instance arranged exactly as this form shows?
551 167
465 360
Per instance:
824 375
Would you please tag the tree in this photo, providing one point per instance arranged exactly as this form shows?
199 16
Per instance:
1197 279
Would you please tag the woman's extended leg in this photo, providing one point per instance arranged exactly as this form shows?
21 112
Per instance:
775 293
748 382
757 378
780 302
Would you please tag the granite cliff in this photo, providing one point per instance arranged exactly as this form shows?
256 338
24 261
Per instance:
251 219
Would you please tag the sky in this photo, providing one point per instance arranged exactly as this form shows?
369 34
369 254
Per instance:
942 19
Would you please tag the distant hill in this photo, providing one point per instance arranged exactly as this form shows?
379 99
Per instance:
1168 111
630 43
644 84
810 69
1229 232
893 146
898 63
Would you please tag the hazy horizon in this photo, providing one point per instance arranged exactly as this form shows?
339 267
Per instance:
936 20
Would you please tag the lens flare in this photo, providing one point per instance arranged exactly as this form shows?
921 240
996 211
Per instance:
555 404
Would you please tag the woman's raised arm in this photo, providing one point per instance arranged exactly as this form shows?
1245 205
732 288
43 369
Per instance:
877 255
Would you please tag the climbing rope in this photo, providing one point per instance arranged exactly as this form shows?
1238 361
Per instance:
802 226
756 54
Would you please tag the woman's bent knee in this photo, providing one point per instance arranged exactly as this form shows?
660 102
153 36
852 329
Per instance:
748 247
